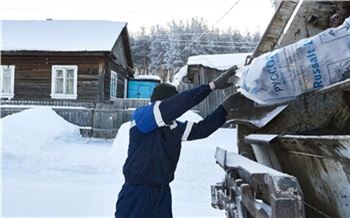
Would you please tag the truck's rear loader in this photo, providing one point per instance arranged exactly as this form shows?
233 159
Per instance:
294 158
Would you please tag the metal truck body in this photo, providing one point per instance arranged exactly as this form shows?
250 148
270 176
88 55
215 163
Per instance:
307 140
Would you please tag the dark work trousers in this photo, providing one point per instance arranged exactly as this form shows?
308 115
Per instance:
144 201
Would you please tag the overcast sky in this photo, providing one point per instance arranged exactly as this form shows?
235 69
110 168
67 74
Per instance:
243 14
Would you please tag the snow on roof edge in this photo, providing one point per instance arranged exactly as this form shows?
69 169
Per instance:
147 77
219 61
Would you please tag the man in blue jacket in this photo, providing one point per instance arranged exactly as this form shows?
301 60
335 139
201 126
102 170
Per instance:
155 145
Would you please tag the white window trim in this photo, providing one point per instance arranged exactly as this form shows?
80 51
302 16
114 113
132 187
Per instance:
126 88
53 82
12 92
116 84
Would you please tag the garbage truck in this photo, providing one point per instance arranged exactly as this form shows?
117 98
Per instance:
293 155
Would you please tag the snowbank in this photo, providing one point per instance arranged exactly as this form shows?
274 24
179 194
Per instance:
21 131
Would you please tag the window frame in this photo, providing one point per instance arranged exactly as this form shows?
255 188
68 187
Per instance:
113 75
54 69
11 94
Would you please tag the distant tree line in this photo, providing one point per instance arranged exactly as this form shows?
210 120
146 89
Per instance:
164 50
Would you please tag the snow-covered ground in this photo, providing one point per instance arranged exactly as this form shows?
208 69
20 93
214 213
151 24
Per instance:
49 170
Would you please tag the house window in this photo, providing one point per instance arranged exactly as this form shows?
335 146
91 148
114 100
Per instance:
113 86
7 81
64 82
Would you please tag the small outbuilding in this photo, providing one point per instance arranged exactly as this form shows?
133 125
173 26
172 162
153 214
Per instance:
202 69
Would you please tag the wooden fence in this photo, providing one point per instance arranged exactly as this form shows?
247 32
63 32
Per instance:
94 120
99 120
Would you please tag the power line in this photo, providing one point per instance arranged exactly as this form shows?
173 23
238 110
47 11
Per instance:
212 25
226 13
220 42
222 46
184 34
184 41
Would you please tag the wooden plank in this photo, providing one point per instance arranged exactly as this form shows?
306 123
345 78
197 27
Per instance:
342 85
300 28
275 28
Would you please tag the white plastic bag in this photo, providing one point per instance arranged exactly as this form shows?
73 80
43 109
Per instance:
307 65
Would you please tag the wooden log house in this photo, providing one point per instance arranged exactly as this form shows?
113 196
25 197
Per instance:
65 62
203 69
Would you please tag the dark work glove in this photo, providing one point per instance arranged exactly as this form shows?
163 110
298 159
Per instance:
221 81
236 101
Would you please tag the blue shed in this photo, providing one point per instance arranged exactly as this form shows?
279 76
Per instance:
141 87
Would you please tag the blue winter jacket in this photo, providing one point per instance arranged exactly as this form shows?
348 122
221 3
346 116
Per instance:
156 136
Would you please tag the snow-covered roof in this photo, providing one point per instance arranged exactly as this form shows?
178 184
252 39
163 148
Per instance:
148 77
180 75
219 61
60 35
